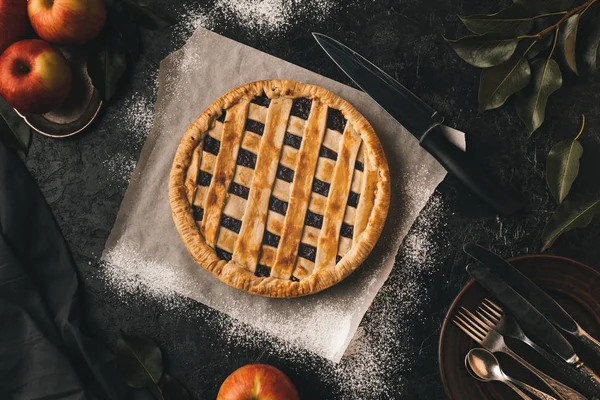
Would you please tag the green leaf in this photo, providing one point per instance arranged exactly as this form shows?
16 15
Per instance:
541 45
574 213
531 103
20 133
546 6
567 41
545 42
172 389
139 360
514 20
499 83
486 50
107 63
562 166
591 49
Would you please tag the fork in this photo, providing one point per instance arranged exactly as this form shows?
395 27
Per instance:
505 324
490 339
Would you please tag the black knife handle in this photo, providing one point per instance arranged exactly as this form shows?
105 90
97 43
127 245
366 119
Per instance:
457 162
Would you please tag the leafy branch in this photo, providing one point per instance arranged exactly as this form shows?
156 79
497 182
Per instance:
518 49
562 168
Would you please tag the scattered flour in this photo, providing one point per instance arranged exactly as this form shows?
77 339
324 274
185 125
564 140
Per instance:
253 16
120 165
382 349
136 116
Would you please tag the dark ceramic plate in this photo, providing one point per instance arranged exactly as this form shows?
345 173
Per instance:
574 285
79 110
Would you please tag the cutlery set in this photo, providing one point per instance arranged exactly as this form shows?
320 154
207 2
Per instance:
485 367
530 316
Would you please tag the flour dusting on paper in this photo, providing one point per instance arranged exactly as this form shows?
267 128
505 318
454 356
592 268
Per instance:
383 347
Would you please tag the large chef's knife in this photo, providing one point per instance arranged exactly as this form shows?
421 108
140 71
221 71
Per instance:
533 322
419 119
532 292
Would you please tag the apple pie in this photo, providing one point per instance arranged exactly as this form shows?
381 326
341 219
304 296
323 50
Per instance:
280 188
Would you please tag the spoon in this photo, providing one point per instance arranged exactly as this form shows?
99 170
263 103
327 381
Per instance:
485 367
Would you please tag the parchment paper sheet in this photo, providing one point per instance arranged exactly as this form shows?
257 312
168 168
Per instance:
191 79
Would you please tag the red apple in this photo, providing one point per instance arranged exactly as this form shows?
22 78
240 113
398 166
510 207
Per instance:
36 78
14 24
257 382
67 22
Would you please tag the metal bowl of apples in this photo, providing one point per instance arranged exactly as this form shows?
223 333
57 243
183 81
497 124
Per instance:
45 78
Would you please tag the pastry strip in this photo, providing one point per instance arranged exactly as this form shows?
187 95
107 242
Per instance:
367 199
247 247
300 191
317 203
257 113
267 255
338 197
192 174
233 130
226 239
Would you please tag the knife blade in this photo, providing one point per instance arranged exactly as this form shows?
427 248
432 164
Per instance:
420 120
532 321
532 293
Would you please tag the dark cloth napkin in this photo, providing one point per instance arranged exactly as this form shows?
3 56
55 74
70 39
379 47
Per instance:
43 352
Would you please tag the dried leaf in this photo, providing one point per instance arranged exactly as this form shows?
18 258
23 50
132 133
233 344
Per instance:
127 31
145 16
531 103
567 41
172 389
486 50
562 166
546 6
138 12
107 63
139 360
499 83
20 133
574 213
514 20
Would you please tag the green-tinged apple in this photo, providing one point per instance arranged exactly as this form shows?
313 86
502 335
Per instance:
67 22
14 24
257 382
36 77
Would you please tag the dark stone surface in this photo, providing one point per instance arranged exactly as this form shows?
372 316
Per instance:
405 38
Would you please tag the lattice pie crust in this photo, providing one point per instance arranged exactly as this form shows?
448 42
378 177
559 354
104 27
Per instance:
280 188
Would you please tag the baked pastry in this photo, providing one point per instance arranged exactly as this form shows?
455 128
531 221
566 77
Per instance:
280 188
